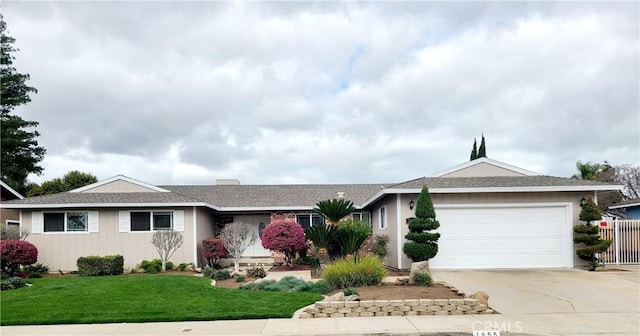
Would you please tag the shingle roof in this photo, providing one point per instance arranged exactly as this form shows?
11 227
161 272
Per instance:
97 198
494 182
625 204
302 195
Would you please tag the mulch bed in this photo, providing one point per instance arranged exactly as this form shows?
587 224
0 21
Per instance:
285 268
395 292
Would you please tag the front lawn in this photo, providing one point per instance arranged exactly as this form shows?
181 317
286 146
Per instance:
140 298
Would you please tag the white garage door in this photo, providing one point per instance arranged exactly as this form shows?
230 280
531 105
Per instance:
495 236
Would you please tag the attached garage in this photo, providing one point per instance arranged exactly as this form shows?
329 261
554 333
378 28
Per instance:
504 236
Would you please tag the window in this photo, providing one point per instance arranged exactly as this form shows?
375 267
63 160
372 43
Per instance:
382 217
307 220
13 223
146 220
362 216
66 221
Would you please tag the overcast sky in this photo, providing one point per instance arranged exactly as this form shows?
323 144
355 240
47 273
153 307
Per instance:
184 93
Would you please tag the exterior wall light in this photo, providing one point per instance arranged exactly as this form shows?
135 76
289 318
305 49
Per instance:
411 204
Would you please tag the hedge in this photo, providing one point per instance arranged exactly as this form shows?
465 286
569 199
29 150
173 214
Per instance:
95 265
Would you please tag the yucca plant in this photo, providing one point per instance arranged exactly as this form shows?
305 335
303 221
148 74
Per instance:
335 209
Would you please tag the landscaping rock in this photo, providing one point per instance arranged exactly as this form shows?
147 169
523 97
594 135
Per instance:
402 281
417 267
482 297
352 298
335 297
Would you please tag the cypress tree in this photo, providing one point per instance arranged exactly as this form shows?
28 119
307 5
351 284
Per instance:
482 151
422 244
474 151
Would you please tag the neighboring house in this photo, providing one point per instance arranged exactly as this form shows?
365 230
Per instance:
9 216
630 207
492 215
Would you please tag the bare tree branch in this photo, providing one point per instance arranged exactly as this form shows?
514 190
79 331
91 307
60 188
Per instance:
629 176
237 237
166 243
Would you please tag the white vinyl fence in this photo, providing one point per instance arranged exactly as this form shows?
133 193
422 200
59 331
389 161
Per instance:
625 235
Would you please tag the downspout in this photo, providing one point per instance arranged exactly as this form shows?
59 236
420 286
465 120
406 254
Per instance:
399 229
194 227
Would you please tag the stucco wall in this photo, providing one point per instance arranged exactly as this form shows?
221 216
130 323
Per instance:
11 214
204 230
61 250
390 201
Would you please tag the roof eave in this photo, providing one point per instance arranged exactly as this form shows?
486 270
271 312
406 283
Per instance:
622 206
104 205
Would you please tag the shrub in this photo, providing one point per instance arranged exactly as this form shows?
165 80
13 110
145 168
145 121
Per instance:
285 237
12 283
366 271
240 278
96 266
422 279
321 236
16 253
352 233
288 284
170 266
166 242
309 260
216 274
422 245
334 209
256 272
350 291
151 267
213 250
35 270
182 267
379 248
13 232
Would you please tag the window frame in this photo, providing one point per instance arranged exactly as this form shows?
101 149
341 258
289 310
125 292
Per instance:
152 227
382 217
15 222
360 214
65 222
311 217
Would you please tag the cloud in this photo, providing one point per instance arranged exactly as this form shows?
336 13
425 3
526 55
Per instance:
328 92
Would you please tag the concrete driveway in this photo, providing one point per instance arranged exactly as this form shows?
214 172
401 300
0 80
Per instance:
553 300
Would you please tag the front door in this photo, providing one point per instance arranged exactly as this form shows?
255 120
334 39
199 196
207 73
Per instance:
258 222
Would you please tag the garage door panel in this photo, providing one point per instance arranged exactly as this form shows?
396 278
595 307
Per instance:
502 237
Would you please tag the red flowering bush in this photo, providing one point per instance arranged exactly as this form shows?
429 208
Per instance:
213 250
285 237
14 253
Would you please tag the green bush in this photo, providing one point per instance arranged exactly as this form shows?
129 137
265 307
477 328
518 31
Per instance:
12 283
169 266
216 274
352 233
366 271
35 270
288 284
379 247
240 278
182 267
151 267
256 272
309 260
95 265
422 279
350 291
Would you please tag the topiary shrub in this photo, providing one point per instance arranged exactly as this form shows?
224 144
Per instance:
284 237
213 250
97 266
422 244
422 279
589 235
16 253
343 273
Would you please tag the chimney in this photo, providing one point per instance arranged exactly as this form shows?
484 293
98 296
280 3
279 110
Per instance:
227 182
340 194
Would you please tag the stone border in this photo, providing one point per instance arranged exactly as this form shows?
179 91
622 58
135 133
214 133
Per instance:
413 307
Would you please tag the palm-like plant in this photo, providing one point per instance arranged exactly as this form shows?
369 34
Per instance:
351 235
335 209
322 236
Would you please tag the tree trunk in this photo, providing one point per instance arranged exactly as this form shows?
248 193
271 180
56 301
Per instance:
164 265
236 265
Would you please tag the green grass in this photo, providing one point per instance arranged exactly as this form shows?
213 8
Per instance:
140 298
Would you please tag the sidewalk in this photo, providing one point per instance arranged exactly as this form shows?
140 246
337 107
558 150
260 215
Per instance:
530 324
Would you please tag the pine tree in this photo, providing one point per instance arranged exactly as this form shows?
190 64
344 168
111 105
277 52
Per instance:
422 244
19 151
474 151
482 151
